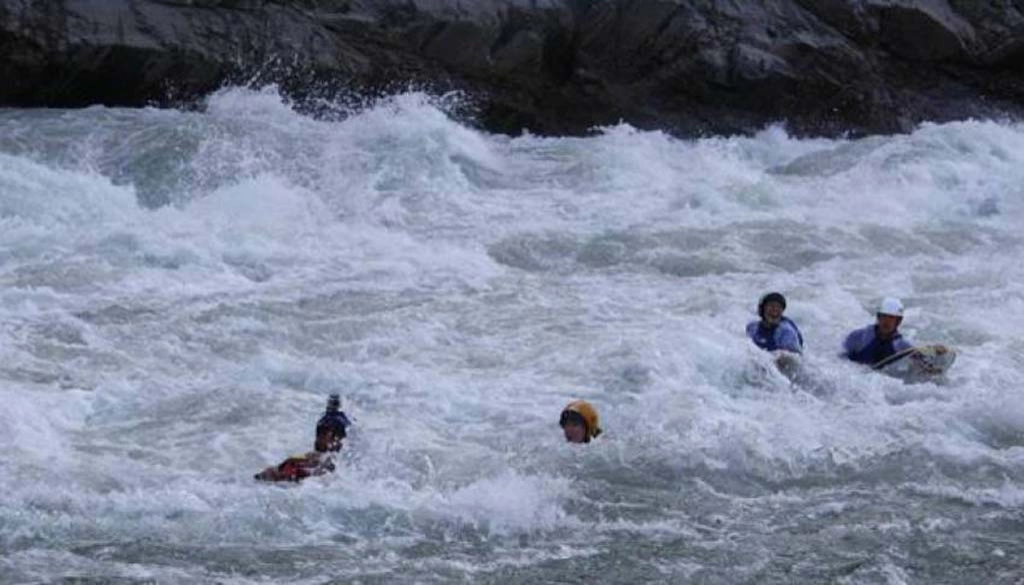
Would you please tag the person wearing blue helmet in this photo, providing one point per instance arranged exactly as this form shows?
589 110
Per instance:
774 331
330 434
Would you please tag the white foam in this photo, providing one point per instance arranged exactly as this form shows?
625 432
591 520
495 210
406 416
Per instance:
458 289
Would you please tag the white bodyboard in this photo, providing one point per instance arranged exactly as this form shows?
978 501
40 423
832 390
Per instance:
918 363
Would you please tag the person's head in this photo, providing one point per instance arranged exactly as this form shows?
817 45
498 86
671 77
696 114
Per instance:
579 422
330 429
889 316
770 307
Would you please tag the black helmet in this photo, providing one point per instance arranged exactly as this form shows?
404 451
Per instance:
333 419
770 297
571 417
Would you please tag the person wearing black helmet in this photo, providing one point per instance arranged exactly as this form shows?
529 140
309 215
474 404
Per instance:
774 332
330 433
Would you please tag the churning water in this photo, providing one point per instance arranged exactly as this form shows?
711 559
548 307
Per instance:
179 292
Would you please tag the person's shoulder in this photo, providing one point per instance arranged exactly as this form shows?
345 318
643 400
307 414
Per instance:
859 337
752 326
789 325
863 330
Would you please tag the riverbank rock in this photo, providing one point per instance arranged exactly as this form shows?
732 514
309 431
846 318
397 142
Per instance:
824 67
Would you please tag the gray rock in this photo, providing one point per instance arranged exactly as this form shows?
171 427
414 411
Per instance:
691 67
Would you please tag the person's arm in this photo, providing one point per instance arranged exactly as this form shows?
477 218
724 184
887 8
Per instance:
855 342
849 344
901 344
788 339
752 330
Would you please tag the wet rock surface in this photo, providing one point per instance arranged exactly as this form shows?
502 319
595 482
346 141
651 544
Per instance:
826 67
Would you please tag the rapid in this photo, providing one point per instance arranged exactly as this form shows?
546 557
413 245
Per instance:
180 291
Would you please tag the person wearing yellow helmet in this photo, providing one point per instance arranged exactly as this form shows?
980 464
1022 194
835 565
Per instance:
579 422
330 433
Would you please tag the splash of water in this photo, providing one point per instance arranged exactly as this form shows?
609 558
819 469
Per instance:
181 290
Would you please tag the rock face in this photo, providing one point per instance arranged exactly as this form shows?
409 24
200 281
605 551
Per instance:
691 67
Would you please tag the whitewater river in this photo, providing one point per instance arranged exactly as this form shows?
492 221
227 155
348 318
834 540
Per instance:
180 291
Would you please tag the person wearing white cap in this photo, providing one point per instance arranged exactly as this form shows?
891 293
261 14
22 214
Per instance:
874 343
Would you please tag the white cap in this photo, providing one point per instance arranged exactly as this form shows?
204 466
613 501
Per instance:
890 306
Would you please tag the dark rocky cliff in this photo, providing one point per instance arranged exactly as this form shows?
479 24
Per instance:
692 67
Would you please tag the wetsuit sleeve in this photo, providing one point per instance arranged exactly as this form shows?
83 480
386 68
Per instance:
752 331
855 342
788 339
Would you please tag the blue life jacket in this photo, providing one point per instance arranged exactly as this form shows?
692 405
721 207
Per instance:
876 349
799 336
764 336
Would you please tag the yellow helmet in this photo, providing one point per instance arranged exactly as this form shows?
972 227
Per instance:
587 412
